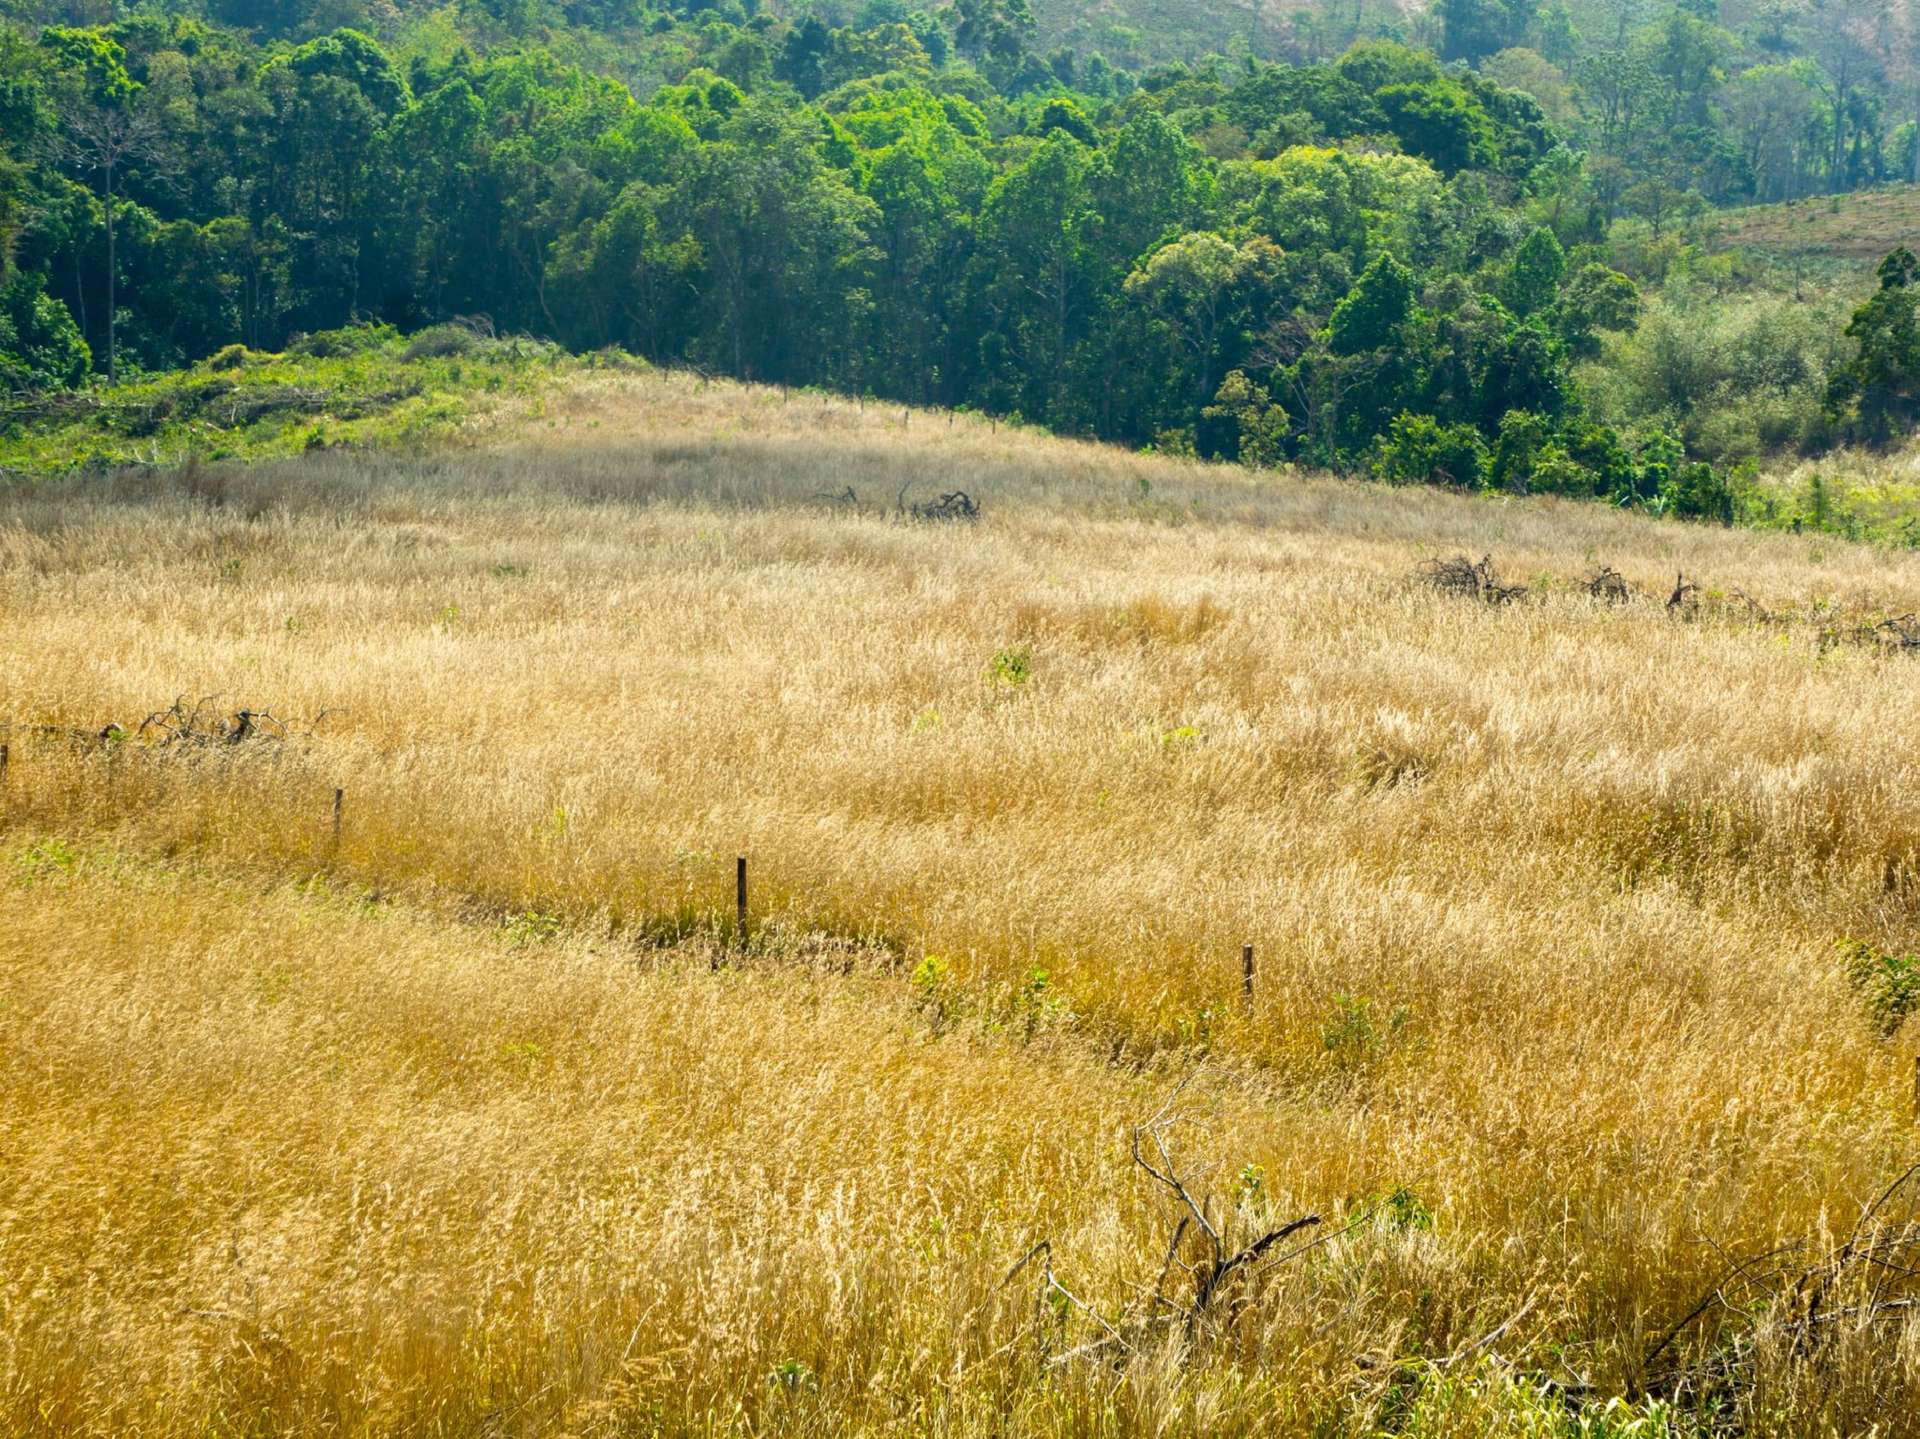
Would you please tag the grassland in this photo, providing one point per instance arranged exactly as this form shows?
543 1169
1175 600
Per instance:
1582 935
1855 230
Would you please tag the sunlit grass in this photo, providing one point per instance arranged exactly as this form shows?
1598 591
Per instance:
1547 903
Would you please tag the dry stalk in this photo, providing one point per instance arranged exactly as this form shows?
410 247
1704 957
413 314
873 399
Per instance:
1684 600
1224 1259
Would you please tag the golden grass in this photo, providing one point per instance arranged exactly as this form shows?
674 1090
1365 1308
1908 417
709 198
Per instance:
1546 902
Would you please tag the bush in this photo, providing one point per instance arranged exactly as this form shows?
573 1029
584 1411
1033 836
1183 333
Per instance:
40 346
1596 450
1555 472
441 342
231 357
340 344
1259 426
1888 984
1698 492
1419 450
1517 453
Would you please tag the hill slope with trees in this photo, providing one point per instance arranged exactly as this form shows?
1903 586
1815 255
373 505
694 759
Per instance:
1415 243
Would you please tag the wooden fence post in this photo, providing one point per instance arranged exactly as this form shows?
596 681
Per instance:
740 900
339 807
1246 977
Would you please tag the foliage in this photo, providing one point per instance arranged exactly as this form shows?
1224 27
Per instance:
1418 449
1887 984
1878 390
40 346
356 389
1260 426
1371 215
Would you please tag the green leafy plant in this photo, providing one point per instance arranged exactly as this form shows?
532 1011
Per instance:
1888 984
1010 668
1037 1003
1403 1209
531 927
47 857
1251 1183
794 1376
930 977
1353 1035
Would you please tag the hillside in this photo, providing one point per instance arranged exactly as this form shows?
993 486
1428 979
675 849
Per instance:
1131 33
1582 922
1856 231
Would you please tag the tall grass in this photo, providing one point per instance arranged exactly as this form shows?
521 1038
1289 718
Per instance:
1547 902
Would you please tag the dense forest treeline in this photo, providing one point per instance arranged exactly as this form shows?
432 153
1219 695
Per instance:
1396 255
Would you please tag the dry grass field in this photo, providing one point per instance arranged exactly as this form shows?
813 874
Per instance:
1859 229
1582 935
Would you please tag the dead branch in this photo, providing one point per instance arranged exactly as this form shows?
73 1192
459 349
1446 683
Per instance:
1462 578
1872 1274
955 505
1609 586
1901 632
1756 611
1224 1259
1682 601
1493 1335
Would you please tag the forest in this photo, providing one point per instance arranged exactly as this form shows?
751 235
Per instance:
1453 245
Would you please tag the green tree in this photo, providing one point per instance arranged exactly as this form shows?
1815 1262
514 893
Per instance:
1372 314
40 346
1260 426
999 28
1440 121
1517 451
1533 279
1037 282
1474 29
1595 300
1877 391
104 140
1198 286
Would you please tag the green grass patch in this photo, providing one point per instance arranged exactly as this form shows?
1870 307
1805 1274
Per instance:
368 387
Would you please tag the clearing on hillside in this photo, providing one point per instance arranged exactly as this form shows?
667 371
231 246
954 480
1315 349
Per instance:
1856 229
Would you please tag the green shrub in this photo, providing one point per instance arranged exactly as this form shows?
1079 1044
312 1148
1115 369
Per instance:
440 342
343 343
40 346
1517 453
1698 492
1010 668
232 357
1888 984
1352 1035
1419 450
